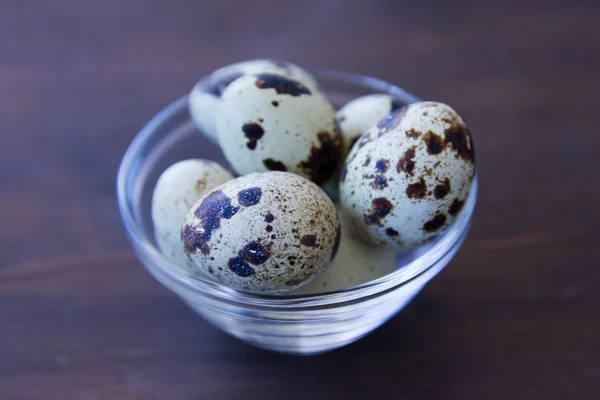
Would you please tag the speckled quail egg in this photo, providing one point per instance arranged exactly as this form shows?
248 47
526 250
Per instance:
356 262
408 177
360 114
176 190
271 122
268 232
204 97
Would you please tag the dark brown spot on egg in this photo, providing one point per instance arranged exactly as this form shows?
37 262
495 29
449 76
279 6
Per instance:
341 118
211 270
406 163
417 190
413 133
240 267
459 136
322 160
269 218
274 165
380 208
391 232
391 121
229 212
275 103
210 211
309 240
189 240
382 165
282 85
434 143
435 223
249 197
442 189
455 207
253 132
217 86
379 182
254 253
269 228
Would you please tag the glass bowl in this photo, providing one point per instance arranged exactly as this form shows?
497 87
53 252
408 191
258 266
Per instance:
295 324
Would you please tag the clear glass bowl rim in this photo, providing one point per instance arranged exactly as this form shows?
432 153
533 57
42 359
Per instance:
133 158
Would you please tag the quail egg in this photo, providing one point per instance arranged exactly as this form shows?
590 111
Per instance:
271 122
408 177
176 190
268 232
204 97
356 262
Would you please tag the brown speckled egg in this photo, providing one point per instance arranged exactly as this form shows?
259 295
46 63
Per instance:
204 97
268 232
270 122
408 177
176 190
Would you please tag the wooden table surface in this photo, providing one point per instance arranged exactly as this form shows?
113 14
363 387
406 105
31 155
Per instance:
516 315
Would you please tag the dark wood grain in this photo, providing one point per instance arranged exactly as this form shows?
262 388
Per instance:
516 314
